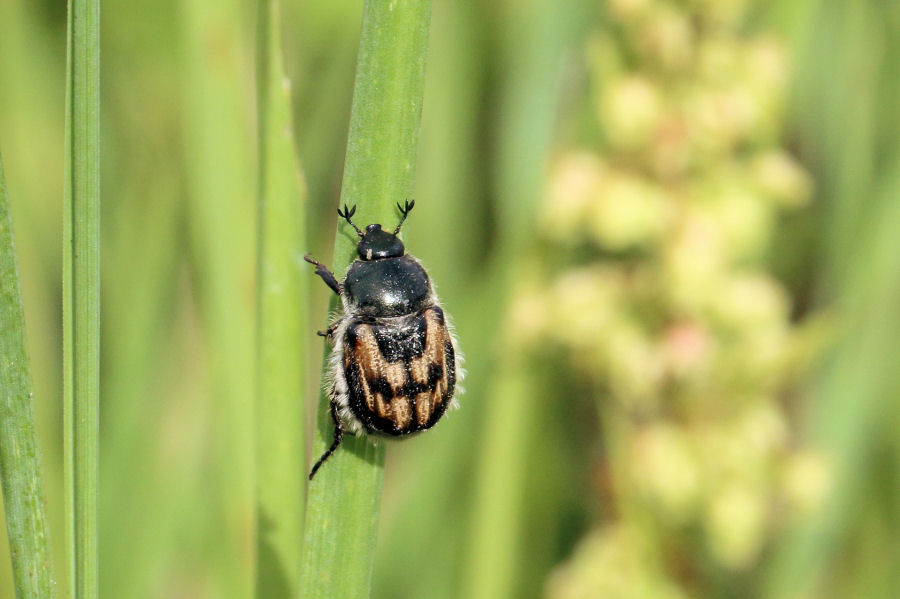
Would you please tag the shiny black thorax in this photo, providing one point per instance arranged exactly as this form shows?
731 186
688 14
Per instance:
387 287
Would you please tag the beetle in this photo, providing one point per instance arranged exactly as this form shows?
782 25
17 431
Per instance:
394 368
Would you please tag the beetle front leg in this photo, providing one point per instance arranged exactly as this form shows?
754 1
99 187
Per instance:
326 274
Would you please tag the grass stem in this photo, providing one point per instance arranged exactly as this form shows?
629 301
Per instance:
345 496
81 292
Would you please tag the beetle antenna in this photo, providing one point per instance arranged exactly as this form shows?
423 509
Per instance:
346 214
404 210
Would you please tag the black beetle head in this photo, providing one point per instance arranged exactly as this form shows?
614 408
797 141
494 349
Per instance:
377 243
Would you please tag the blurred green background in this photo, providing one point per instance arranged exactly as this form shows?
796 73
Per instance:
668 233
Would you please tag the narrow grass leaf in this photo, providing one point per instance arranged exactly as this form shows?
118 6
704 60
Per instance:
20 464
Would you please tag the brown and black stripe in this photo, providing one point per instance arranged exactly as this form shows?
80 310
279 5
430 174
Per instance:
400 377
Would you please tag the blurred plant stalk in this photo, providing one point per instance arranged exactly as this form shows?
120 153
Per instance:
505 411
216 117
850 135
282 314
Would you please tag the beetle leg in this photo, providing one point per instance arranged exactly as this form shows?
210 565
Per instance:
338 437
327 332
326 274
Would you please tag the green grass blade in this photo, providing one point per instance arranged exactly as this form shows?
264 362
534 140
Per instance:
344 498
81 295
283 301
20 464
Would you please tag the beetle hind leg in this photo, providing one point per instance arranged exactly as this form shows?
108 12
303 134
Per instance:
327 333
338 438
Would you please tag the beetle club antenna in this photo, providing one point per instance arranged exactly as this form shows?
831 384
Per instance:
404 210
346 214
